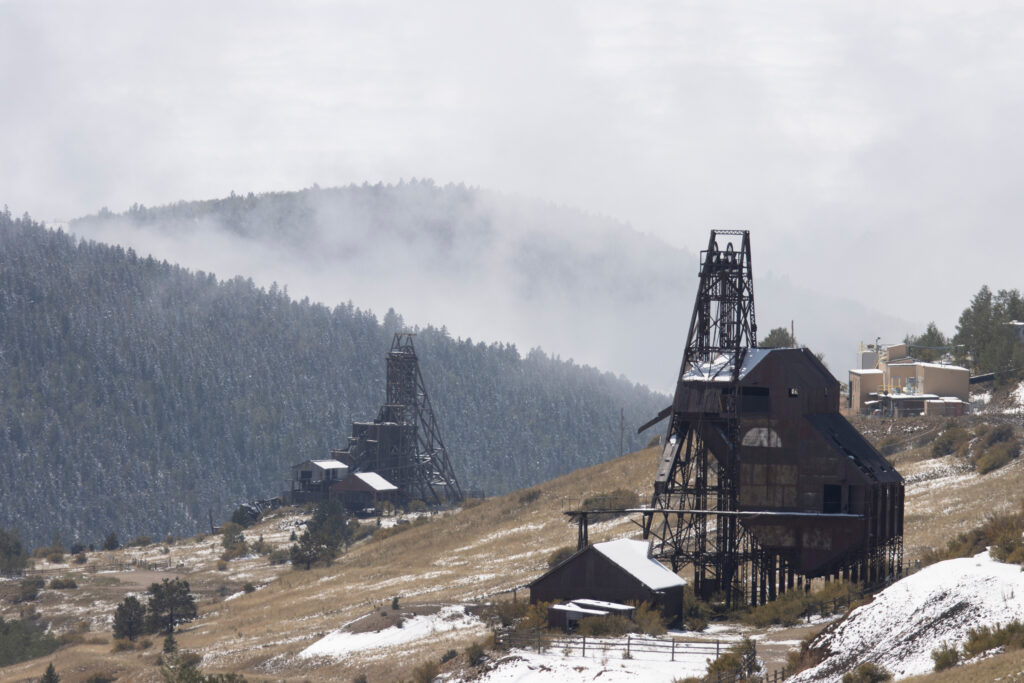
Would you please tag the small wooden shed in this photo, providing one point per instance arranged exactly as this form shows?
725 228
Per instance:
363 490
614 572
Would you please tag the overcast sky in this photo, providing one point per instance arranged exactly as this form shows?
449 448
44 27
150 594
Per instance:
873 149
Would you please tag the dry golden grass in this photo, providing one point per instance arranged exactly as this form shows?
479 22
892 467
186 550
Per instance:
1008 666
477 554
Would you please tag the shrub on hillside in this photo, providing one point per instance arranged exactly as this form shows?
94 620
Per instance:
739 663
950 441
804 657
984 638
561 555
695 612
945 657
279 556
506 612
426 672
649 620
62 583
475 654
997 434
28 589
868 672
529 496
1001 533
609 625
996 456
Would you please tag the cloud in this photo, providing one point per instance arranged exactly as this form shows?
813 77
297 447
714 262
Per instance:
873 149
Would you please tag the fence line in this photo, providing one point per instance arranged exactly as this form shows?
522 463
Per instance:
630 646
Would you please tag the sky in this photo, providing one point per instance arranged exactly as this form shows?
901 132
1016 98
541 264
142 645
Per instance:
871 148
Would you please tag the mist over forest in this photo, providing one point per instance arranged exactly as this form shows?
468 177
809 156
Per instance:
139 397
487 266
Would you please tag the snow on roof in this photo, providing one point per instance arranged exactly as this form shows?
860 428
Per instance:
942 365
720 369
574 608
375 481
632 556
866 371
601 604
329 464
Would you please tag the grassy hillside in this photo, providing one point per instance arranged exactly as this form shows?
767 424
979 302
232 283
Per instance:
468 556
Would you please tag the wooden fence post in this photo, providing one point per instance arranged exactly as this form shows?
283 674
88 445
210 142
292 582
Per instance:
673 649
584 646
628 641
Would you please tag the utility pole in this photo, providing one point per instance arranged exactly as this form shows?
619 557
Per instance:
622 431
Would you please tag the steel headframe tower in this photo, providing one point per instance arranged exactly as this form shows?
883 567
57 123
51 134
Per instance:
428 474
695 491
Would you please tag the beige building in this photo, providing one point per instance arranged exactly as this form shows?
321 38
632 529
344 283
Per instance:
862 384
902 386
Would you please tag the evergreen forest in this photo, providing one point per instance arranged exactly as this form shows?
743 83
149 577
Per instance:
137 397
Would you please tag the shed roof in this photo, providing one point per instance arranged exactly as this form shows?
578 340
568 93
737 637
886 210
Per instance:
329 464
845 438
602 604
574 608
375 481
632 557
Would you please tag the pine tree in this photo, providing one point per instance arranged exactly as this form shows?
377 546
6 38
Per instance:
50 676
170 603
129 618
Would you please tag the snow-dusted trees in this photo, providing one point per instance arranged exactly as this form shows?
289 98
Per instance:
155 393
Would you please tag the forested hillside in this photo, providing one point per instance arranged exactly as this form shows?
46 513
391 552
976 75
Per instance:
136 395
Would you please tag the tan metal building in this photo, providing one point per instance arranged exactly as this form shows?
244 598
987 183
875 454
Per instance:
863 383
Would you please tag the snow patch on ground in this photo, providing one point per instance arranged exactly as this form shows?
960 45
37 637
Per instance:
905 622
340 644
525 666
981 399
1015 401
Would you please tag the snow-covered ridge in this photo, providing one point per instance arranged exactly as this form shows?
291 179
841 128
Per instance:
905 622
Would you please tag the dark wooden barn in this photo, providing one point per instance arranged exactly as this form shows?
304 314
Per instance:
614 571
364 491
829 503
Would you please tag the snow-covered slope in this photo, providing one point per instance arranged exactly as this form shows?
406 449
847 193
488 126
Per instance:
905 622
